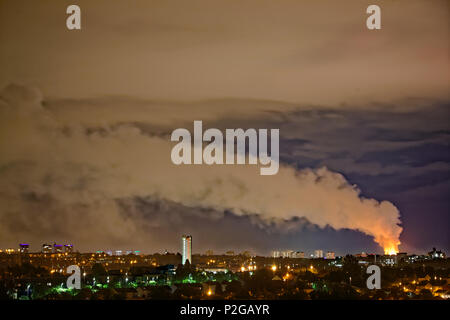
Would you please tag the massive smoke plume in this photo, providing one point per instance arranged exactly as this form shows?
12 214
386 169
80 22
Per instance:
80 172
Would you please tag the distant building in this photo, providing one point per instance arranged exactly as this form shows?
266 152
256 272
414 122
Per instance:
68 248
187 249
47 248
276 254
229 253
436 254
209 252
287 253
330 255
361 255
318 254
168 269
118 252
388 260
402 257
23 247
57 248
216 270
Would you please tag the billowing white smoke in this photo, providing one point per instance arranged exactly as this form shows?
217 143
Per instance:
86 171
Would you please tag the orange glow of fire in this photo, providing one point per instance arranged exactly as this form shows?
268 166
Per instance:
390 250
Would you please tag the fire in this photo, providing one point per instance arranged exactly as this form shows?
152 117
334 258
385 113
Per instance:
390 250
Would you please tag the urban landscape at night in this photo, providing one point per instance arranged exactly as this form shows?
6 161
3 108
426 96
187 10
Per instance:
226 159
131 275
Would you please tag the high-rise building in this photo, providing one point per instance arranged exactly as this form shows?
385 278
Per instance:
23 247
47 248
68 248
276 254
318 254
57 248
187 249
330 255
287 253
298 255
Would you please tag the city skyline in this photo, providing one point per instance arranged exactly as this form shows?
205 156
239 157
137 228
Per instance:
187 252
41 276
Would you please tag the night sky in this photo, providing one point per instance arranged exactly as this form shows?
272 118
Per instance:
86 118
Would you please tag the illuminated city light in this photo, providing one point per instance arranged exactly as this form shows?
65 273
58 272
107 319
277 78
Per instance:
290 270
